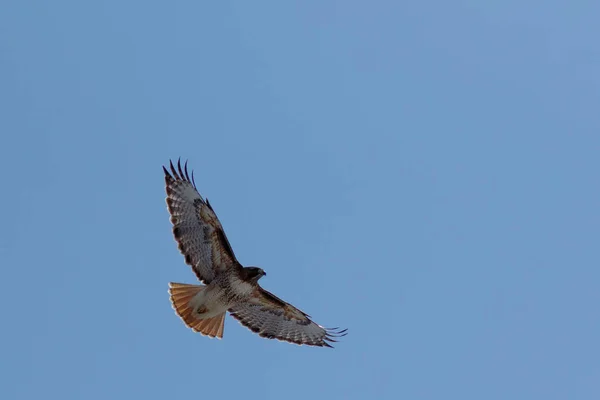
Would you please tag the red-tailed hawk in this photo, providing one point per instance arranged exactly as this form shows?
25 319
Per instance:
229 286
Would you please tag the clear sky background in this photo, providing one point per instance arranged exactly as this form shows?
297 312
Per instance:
424 173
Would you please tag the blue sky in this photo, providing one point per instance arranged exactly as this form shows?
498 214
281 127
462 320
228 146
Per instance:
424 173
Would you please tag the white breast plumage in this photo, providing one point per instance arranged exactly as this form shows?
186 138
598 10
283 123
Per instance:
241 288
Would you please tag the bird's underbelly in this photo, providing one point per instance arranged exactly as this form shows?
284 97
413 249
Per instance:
219 296
210 302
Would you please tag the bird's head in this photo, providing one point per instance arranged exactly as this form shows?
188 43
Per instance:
254 273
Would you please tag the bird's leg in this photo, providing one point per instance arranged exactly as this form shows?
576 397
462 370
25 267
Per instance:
201 310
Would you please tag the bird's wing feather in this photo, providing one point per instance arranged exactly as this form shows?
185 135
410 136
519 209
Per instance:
196 228
273 318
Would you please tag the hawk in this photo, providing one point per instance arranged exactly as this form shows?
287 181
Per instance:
228 286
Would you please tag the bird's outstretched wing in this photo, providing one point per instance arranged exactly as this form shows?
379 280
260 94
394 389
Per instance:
273 318
196 228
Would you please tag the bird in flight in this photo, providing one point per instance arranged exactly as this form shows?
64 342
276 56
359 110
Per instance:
228 286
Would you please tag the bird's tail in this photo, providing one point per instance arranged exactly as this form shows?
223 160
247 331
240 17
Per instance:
181 297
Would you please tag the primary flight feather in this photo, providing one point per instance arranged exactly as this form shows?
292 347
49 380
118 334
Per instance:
228 286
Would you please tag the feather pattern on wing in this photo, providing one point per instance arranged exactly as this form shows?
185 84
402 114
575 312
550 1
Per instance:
273 318
196 228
